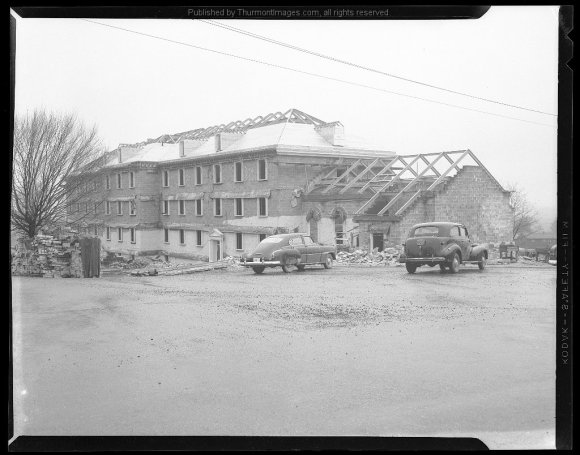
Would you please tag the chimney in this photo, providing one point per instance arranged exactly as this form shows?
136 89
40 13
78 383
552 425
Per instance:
333 133
224 140
126 152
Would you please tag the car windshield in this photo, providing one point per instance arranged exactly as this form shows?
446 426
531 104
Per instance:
426 231
272 240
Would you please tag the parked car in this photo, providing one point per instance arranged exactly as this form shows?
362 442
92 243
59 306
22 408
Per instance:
444 244
286 250
553 258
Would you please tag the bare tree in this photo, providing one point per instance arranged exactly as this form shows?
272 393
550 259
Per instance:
50 151
525 216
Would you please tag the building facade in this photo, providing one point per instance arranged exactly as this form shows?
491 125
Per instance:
216 192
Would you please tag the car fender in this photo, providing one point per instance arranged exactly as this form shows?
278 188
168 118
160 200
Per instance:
281 255
451 248
476 250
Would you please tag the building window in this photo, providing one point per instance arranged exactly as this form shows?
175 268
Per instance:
217 207
199 207
108 208
239 241
131 180
132 208
165 179
120 234
108 182
181 180
166 235
86 207
96 230
217 173
198 179
261 237
95 208
238 206
119 181
108 233
239 171
78 207
262 173
262 206
181 207
181 237
119 207
133 237
198 238
165 207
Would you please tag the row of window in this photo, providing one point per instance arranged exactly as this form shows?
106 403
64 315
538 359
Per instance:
181 233
262 204
119 179
132 234
217 174
119 204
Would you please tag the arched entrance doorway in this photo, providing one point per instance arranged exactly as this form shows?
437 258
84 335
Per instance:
339 217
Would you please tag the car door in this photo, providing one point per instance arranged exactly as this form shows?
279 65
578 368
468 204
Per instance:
313 250
298 244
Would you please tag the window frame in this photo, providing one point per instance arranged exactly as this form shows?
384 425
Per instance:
241 214
120 234
95 208
198 207
265 199
165 178
132 208
182 237
265 170
133 235
241 168
108 233
131 179
108 208
239 241
107 182
181 207
166 236
218 201
198 175
198 238
119 181
262 237
217 181
181 177
119 208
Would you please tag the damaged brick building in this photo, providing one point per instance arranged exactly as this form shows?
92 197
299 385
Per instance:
219 191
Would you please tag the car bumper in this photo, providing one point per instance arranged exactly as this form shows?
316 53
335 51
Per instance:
260 263
425 260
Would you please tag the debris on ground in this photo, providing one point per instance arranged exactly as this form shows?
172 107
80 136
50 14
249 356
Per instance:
387 257
48 256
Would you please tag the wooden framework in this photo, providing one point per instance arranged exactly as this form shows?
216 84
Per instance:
394 177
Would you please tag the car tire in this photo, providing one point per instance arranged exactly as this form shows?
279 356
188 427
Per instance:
301 267
443 268
454 264
482 261
328 261
258 270
411 268
285 268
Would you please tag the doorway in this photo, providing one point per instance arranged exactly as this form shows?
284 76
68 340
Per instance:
313 229
378 242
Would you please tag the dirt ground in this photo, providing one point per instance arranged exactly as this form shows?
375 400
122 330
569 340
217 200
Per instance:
347 351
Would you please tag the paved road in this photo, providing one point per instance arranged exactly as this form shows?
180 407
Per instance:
347 351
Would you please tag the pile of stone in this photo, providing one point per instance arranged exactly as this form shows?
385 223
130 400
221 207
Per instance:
387 257
48 256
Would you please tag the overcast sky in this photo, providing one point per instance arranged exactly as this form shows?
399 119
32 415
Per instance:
135 87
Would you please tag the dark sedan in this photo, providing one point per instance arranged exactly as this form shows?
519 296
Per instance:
286 250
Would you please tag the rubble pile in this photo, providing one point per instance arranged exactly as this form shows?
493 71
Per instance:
48 256
387 257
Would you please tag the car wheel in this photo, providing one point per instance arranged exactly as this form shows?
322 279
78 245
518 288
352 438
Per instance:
482 261
328 261
301 267
443 268
258 270
411 268
454 265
